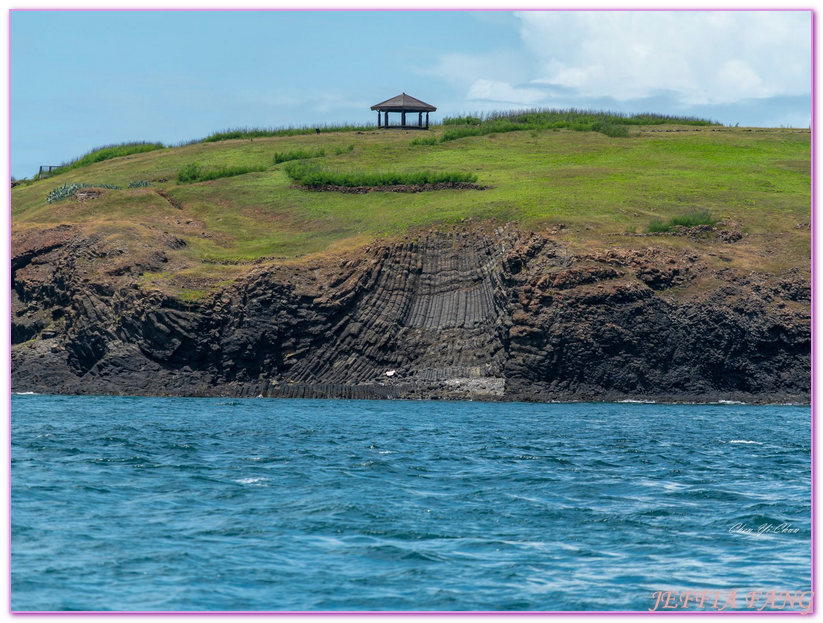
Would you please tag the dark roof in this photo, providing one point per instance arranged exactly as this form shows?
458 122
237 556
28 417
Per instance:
403 102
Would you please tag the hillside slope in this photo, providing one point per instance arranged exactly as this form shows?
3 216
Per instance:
546 285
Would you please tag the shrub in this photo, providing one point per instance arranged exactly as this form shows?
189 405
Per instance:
694 219
298 154
195 173
139 184
690 219
315 177
428 140
189 173
613 130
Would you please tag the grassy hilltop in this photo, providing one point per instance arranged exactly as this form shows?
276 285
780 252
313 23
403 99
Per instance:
614 186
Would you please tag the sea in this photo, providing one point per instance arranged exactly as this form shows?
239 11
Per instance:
210 504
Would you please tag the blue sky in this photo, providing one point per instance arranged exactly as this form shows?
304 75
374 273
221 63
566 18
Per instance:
88 78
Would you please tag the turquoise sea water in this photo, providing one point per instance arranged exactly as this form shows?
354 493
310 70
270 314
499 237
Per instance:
221 504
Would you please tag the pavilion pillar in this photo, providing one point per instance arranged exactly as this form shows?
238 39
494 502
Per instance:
420 120
378 119
403 119
386 124
427 121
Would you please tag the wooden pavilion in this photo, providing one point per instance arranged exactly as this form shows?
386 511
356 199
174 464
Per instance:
403 104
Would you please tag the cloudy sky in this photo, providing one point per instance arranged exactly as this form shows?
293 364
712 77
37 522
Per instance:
88 78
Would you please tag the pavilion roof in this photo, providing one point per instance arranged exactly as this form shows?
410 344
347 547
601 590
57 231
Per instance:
404 103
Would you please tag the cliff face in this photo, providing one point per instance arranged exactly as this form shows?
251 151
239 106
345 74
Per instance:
477 312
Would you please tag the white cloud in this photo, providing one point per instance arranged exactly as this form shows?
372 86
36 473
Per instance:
466 69
503 92
704 57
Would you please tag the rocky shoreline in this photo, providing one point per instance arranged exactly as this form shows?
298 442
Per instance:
465 313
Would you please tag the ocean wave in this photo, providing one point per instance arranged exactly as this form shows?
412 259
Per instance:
759 443
250 481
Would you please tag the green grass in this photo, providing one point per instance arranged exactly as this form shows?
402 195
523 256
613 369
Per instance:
298 154
99 154
427 140
465 120
316 177
193 172
609 123
598 186
252 133
690 219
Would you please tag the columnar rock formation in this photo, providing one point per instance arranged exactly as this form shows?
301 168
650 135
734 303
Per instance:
479 312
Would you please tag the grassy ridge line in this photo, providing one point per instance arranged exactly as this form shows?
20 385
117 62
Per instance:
248 133
608 123
579 115
315 177
107 152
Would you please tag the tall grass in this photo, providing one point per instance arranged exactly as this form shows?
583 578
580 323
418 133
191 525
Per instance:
298 154
247 133
195 173
609 123
108 152
316 177
465 120
426 140
690 219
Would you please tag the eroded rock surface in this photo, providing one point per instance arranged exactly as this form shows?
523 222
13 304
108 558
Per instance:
488 313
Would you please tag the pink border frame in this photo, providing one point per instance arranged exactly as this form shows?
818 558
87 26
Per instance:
6 338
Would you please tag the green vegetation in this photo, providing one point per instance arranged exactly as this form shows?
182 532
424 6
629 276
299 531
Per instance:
690 219
599 187
193 172
298 154
316 177
608 123
67 190
139 184
252 133
611 129
466 120
426 140
99 154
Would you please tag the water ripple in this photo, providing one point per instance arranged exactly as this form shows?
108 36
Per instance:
204 504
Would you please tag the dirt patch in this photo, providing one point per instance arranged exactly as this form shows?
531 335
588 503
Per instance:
174 202
399 188
84 195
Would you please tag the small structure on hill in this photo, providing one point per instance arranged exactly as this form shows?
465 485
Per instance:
403 104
